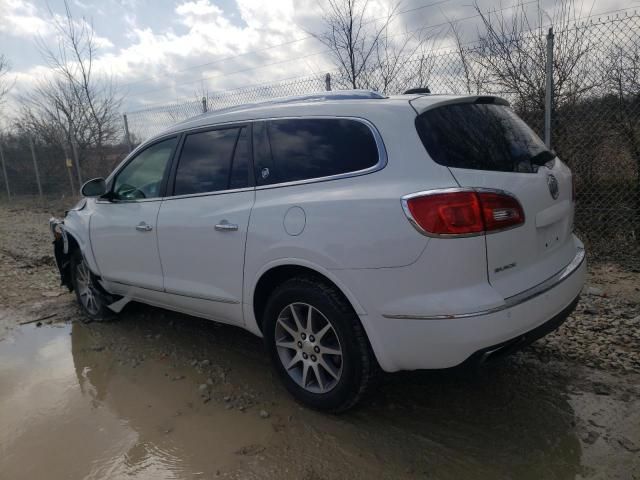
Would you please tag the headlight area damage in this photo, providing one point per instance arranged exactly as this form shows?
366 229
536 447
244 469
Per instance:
61 251
71 264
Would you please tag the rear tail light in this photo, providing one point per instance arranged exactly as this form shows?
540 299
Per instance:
462 212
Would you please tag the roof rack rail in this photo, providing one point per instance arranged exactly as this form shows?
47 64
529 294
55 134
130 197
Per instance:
417 90
312 97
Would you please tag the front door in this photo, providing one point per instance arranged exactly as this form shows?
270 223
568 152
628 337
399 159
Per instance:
123 228
202 227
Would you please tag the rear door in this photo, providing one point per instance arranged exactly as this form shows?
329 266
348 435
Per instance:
202 226
486 145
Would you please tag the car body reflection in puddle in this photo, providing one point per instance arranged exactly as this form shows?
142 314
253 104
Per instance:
73 405
70 415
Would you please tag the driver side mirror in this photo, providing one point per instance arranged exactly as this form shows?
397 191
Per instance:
94 188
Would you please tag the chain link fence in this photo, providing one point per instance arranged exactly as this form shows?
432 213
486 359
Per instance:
595 120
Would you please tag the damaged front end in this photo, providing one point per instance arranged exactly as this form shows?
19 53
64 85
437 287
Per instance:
61 251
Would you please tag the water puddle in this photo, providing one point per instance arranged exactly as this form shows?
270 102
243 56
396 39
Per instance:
131 399
69 411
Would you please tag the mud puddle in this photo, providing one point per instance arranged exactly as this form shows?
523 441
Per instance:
156 395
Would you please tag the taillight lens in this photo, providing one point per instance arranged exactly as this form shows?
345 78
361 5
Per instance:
464 212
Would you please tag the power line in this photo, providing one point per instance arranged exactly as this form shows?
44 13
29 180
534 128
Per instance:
314 54
283 44
428 27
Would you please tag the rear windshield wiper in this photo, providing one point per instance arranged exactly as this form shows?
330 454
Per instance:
543 157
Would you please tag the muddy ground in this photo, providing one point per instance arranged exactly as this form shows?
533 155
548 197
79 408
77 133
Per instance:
158 395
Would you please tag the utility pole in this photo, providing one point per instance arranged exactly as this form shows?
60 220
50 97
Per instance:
126 132
74 150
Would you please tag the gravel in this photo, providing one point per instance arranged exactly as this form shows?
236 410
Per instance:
603 332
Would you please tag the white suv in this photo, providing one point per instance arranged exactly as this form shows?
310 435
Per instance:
352 231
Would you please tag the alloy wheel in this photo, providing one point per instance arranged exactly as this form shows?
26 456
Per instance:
85 289
308 347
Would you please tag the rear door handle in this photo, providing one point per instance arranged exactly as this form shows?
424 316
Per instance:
143 227
225 226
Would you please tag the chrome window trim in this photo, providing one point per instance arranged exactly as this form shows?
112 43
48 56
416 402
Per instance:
514 300
209 194
405 207
381 163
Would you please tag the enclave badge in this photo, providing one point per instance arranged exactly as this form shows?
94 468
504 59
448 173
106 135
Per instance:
554 188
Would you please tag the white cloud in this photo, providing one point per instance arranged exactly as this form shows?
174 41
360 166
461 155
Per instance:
21 18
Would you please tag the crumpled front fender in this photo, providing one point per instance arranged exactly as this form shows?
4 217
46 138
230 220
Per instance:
61 251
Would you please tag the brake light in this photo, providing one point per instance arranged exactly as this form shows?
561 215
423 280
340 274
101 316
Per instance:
462 212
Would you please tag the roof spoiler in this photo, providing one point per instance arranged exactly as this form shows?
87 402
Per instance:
420 104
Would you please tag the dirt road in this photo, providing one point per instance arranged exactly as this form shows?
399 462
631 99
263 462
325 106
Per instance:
158 395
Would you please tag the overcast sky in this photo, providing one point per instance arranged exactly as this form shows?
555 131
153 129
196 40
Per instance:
164 51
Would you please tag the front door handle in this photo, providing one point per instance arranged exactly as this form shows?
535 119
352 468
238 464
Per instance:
225 226
144 227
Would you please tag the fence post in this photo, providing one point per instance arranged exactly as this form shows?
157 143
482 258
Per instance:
67 167
35 166
126 132
204 104
76 159
327 82
4 173
548 98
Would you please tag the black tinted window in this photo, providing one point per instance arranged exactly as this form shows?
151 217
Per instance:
312 148
205 163
480 137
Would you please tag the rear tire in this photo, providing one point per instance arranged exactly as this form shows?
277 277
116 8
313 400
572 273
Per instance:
317 345
93 300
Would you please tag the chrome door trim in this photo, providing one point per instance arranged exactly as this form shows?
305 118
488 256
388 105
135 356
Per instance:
209 298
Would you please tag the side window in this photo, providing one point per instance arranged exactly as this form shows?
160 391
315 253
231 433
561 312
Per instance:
142 177
207 162
312 148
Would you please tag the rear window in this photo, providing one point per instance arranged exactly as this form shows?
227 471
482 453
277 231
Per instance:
300 149
480 137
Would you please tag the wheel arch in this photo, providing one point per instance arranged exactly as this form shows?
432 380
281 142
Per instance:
273 274
76 227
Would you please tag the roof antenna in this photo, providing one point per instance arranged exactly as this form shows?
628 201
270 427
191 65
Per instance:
417 90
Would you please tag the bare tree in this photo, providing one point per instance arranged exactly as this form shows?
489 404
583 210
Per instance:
622 80
473 73
353 39
403 61
5 83
94 96
513 51
74 107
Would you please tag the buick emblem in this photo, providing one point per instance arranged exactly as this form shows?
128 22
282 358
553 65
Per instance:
554 188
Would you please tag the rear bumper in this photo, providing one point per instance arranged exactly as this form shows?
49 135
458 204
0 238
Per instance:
410 342
521 341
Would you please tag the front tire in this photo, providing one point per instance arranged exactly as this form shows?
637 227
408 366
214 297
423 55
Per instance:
91 298
317 345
